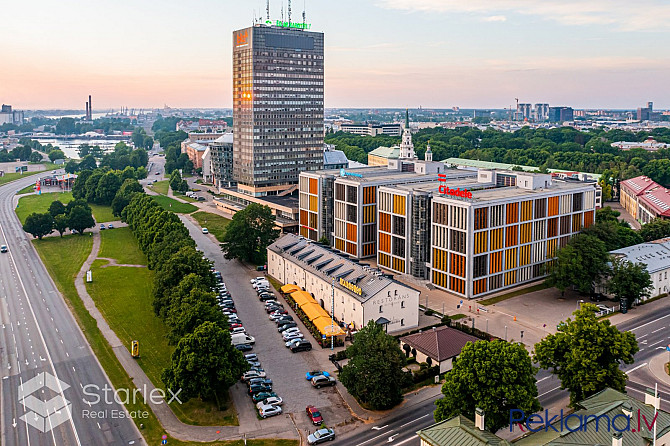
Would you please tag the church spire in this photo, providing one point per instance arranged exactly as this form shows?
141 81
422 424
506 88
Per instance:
407 118
429 153
406 147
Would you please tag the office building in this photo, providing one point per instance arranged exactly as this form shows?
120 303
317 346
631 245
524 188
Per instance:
278 123
541 112
9 116
647 113
525 112
372 129
560 114
221 161
644 199
361 294
505 231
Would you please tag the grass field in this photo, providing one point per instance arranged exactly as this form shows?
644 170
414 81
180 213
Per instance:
138 321
213 222
40 203
185 198
173 205
27 190
63 257
11 176
115 245
161 187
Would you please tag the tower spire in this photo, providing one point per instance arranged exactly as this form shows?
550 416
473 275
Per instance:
406 146
407 118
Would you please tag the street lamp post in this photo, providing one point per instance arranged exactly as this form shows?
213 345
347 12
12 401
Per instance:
332 317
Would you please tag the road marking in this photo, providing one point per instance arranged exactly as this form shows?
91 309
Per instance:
546 377
376 428
417 419
392 437
651 322
635 368
408 440
656 331
549 391
651 345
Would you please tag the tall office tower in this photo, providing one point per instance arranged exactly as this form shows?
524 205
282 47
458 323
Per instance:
541 112
277 106
526 112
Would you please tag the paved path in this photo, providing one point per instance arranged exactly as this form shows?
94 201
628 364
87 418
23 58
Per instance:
166 417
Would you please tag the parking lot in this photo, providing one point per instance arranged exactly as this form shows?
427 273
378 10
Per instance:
287 370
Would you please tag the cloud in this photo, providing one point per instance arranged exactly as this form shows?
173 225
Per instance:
640 15
495 18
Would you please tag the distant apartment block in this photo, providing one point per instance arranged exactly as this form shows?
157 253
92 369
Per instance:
560 114
647 113
373 129
9 116
541 112
650 145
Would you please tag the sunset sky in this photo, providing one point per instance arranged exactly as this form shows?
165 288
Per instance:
379 53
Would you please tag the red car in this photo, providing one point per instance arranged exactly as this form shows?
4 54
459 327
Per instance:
235 325
314 415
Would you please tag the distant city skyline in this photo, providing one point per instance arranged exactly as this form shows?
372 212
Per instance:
379 53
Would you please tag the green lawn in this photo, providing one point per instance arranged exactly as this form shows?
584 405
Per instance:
40 203
120 244
530 289
129 312
27 190
11 176
185 198
63 258
102 214
214 223
161 187
173 205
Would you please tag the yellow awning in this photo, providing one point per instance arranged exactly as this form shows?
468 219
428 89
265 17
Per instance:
324 326
313 310
289 288
302 298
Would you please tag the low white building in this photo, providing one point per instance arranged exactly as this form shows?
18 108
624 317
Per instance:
656 257
360 293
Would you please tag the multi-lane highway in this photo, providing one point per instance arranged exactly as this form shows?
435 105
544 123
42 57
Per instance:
399 428
50 378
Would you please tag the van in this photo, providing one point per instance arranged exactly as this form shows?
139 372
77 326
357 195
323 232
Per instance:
242 338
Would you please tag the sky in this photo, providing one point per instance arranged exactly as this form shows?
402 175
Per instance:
378 53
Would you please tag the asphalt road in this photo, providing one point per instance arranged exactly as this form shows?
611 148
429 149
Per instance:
400 427
46 364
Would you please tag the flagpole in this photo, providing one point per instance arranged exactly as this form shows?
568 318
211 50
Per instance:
657 403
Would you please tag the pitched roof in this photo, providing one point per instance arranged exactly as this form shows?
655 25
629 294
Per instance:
655 255
459 431
639 184
440 343
386 152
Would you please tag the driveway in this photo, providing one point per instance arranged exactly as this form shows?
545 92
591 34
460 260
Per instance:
287 370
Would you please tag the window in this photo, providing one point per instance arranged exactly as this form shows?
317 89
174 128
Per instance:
381 308
402 304
479 266
402 322
457 241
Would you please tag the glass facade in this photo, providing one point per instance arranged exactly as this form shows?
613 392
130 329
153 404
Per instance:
277 106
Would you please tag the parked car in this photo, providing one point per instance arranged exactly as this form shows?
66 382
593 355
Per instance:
110 226
301 346
313 373
272 401
254 363
277 315
102 226
269 411
314 415
262 395
292 342
256 279
252 374
272 308
290 330
293 335
205 231
232 325
4 249
284 319
253 381
258 388
323 381
320 436
265 297
286 326
251 357
238 330
244 347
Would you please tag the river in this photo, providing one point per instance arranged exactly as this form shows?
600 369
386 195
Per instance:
70 146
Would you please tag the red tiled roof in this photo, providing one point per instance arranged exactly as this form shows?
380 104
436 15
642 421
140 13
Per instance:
639 184
658 199
440 343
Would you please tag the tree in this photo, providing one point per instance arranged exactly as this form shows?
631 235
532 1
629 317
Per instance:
607 189
607 214
61 223
614 234
80 218
108 186
39 225
56 208
205 364
124 195
79 187
71 166
141 173
176 182
35 157
659 171
374 374
629 281
91 186
77 203
249 234
582 262
65 126
88 163
655 229
495 376
192 310
324 240
585 354
56 155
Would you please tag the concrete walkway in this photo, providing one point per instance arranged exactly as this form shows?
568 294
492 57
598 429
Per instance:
163 413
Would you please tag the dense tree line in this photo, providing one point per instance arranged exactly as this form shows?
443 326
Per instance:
560 148
204 363
76 215
100 186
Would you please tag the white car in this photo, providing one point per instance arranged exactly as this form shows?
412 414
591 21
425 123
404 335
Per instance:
272 401
292 341
238 330
253 374
294 335
269 411
291 330
205 231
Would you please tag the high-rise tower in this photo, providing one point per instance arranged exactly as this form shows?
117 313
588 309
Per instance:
277 106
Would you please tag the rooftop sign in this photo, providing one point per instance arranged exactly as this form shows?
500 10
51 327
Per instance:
292 25
344 173
350 286
446 190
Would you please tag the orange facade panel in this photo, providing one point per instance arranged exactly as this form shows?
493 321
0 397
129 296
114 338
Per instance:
512 213
313 186
351 232
370 195
552 205
385 242
511 236
384 222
